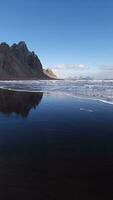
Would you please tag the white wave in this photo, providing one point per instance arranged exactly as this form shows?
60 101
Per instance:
101 90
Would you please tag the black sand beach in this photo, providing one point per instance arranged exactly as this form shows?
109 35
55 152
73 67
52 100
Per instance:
55 147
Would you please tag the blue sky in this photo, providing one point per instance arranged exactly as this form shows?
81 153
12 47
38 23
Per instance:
64 33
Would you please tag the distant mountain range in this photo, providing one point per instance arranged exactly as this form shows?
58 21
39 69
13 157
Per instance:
80 78
18 63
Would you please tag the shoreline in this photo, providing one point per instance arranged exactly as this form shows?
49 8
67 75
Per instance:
59 94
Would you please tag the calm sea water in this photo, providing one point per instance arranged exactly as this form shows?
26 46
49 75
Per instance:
54 146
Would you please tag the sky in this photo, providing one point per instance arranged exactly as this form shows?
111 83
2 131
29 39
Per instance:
72 37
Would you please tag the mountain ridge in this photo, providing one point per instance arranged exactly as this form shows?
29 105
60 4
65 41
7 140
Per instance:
18 63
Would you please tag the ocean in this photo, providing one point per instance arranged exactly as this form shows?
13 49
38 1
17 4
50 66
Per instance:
56 140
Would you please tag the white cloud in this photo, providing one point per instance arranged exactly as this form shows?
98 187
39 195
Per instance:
70 67
106 67
105 72
77 70
68 70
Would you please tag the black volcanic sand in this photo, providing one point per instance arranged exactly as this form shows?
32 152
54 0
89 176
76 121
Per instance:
55 147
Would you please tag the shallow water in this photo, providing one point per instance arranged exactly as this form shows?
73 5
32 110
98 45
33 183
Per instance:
94 89
55 147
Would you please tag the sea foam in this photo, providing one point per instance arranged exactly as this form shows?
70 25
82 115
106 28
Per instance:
101 90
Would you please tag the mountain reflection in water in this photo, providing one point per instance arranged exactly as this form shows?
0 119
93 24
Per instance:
62 150
18 102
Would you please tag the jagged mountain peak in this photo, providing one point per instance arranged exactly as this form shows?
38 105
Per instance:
4 45
17 62
50 73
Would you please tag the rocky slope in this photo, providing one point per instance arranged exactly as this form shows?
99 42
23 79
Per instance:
17 62
50 73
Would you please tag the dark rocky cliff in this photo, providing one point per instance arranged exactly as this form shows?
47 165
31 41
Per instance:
17 62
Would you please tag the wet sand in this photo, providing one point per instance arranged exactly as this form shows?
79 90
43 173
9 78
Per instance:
55 147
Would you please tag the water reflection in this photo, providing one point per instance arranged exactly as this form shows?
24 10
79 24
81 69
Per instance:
63 151
18 102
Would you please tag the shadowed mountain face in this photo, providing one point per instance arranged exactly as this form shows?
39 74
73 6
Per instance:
17 62
18 102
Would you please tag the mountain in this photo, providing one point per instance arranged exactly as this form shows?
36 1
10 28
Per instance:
50 73
17 62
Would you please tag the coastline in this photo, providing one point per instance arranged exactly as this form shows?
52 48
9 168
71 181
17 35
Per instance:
58 94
